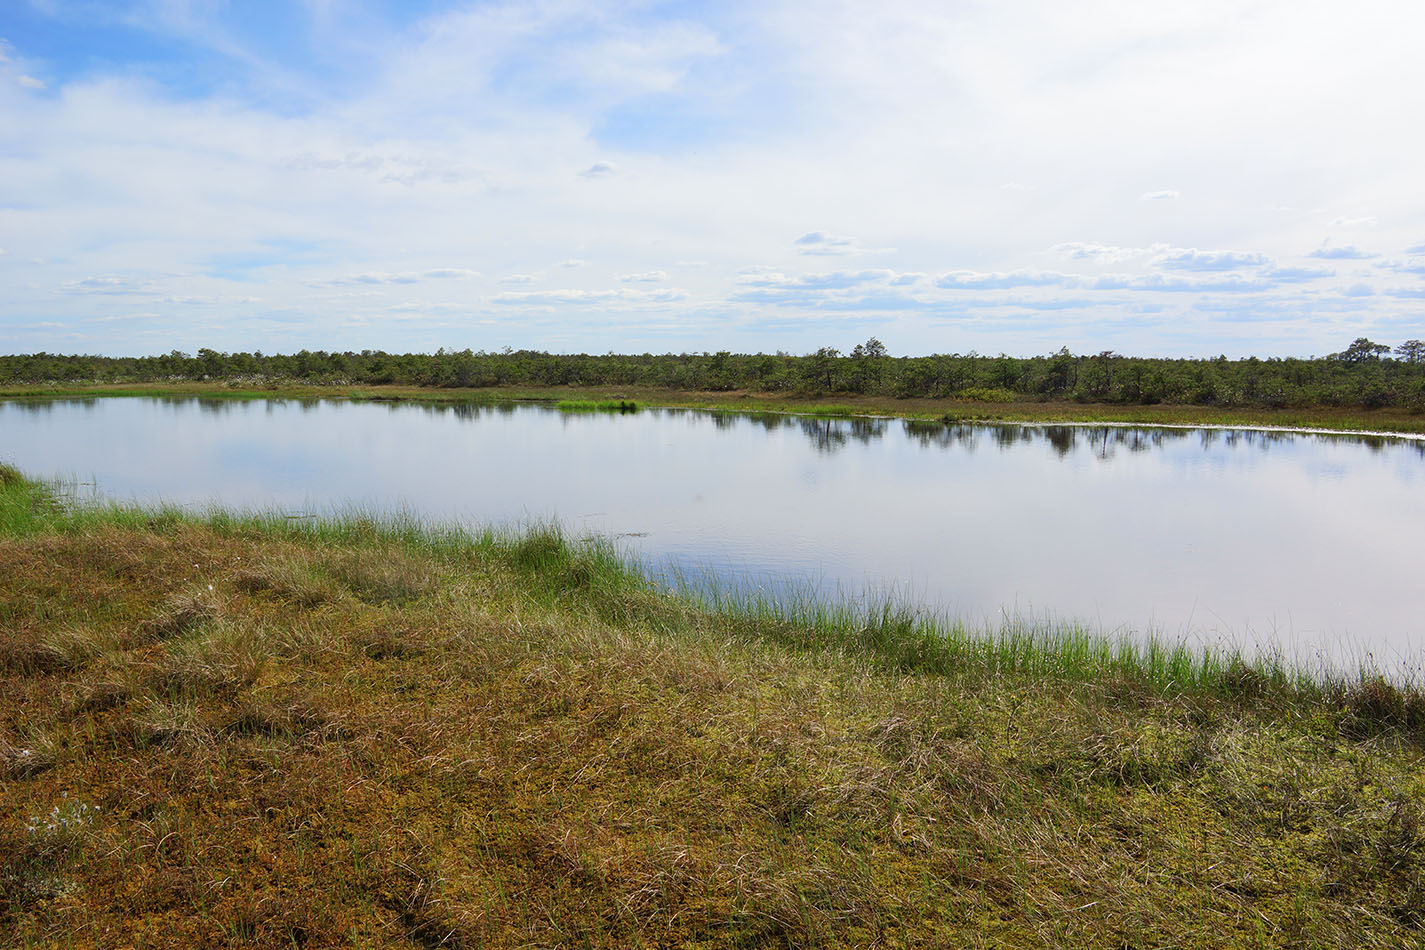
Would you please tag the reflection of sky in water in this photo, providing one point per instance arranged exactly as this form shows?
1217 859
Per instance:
1309 539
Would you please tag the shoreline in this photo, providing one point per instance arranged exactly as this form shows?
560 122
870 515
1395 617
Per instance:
916 636
1318 420
236 730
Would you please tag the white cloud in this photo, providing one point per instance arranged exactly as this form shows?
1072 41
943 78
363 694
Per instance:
207 299
975 280
450 273
1342 252
581 297
1369 219
823 244
819 242
1164 195
1293 275
521 278
828 281
646 277
108 284
1192 259
464 139
30 82
399 169
401 277
378 277
1162 283
1104 254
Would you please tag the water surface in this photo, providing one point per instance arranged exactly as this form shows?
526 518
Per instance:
1310 542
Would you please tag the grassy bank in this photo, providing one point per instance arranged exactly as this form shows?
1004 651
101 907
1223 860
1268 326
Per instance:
242 731
841 404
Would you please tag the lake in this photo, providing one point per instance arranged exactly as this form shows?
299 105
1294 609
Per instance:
1309 543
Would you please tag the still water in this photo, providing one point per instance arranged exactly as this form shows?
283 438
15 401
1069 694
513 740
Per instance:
1309 543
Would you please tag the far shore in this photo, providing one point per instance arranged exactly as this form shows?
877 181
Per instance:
1388 421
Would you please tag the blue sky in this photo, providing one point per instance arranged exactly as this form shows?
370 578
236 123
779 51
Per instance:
1233 176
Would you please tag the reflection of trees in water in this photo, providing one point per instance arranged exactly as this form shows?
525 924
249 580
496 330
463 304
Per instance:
469 411
829 435
464 411
772 421
1006 436
727 421
1106 441
825 434
941 435
724 421
1062 438
867 431
43 408
209 406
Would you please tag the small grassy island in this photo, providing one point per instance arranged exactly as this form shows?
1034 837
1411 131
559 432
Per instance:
227 730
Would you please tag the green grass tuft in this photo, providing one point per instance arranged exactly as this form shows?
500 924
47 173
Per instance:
621 406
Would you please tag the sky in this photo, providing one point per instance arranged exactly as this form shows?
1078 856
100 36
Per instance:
1238 177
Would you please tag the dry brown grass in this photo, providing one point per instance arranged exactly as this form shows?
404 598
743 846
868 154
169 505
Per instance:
62 650
294 579
384 576
183 613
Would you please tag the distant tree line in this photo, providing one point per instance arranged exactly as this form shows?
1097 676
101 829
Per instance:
1365 374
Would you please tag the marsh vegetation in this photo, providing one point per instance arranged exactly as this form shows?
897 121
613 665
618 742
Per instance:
248 731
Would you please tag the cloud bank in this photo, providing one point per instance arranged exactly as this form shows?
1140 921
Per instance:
587 176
